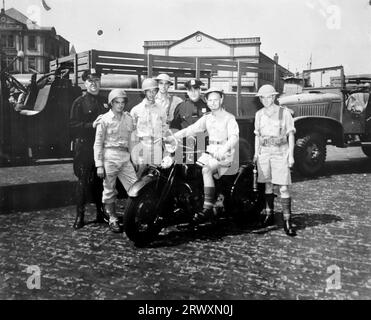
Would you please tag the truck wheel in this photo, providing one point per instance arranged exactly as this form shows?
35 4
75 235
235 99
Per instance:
367 150
310 154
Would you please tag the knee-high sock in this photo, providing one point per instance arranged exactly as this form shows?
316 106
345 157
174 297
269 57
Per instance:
209 200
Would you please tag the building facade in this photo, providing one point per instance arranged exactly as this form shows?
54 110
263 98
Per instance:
200 44
39 44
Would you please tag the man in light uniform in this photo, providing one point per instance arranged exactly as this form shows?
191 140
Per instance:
150 124
223 132
164 99
274 153
111 152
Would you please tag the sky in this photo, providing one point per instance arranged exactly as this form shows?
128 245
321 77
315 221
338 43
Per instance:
332 32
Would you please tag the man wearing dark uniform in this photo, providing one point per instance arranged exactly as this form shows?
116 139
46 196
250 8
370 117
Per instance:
85 116
190 110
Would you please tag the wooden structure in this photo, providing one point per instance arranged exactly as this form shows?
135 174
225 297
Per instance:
143 65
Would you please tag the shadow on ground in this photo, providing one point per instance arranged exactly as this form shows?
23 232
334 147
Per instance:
175 236
352 166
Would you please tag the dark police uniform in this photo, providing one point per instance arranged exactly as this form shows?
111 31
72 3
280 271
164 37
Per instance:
84 112
188 112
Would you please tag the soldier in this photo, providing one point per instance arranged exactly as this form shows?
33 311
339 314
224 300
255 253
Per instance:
274 153
111 152
190 110
150 124
164 99
86 114
223 132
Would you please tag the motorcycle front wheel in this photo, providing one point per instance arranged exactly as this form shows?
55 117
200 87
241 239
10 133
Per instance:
142 222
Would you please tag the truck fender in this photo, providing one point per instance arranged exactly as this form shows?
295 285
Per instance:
138 187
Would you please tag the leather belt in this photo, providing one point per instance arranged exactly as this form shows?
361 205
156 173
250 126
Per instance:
216 142
272 141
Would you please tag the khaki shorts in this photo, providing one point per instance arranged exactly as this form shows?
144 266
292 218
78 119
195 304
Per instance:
273 165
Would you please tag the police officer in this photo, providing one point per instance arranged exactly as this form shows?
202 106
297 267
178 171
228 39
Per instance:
190 110
223 131
85 116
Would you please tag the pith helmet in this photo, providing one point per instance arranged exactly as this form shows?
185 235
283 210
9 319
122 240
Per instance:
164 77
266 91
149 84
117 93
213 89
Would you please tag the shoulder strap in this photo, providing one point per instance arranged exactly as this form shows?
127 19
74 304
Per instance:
280 117
170 102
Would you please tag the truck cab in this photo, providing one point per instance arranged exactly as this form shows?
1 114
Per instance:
328 109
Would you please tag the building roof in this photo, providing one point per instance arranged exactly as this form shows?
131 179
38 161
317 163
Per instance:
225 41
21 18
17 15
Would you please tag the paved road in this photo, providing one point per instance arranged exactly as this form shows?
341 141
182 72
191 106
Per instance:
329 259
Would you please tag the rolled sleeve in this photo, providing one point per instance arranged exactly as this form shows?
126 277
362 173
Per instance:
289 123
256 123
233 129
99 144
198 126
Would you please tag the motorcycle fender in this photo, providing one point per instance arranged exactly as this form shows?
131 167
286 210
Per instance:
136 189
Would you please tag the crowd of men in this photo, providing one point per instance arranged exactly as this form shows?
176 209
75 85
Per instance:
113 143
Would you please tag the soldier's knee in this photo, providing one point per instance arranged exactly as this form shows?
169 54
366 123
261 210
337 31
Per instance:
285 192
268 187
206 170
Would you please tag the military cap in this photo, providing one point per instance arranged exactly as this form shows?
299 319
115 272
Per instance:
90 73
195 83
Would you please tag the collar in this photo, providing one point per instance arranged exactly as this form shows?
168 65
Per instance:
113 116
162 98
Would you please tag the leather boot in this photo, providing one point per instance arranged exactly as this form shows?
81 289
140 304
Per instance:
286 208
79 221
113 219
202 216
102 217
269 210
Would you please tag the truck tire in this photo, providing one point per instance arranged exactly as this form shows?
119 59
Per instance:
310 154
367 150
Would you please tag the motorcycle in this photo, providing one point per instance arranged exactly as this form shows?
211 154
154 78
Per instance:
170 193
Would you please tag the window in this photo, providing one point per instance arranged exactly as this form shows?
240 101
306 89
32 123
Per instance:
32 42
8 62
7 41
11 43
32 64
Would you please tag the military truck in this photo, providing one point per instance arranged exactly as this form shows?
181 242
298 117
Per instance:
39 130
328 109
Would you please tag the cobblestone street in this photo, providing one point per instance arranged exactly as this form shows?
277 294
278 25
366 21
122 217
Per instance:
331 214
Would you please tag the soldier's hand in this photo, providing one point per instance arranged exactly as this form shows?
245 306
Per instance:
100 172
291 161
255 158
97 121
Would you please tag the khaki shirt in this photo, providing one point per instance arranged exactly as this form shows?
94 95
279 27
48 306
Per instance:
168 105
113 132
149 120
268 125
220 129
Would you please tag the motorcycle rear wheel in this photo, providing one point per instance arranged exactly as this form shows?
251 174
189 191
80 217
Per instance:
142 224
